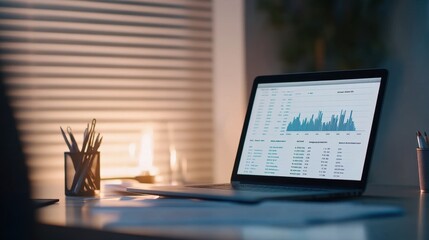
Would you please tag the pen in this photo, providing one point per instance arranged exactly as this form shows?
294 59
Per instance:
421 141
84 179
426 139
74 143
65 139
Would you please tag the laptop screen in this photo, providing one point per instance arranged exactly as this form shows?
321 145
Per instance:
309 129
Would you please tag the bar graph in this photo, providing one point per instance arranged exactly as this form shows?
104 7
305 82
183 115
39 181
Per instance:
336 123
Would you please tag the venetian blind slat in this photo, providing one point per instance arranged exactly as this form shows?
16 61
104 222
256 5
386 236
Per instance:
136 20
100 28
94 50
92 6
122 129
124 83
103 61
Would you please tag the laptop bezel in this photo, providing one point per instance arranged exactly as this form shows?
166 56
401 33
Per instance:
313 76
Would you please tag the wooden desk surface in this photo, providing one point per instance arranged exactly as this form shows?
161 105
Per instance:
71 213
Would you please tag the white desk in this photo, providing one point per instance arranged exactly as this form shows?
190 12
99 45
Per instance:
70 219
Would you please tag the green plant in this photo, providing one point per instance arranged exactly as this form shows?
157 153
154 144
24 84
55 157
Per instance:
324 34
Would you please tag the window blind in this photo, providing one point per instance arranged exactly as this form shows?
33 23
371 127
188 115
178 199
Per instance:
143 69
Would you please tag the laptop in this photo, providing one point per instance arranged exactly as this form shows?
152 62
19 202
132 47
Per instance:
305 136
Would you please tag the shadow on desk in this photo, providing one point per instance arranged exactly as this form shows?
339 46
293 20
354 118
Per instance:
49 232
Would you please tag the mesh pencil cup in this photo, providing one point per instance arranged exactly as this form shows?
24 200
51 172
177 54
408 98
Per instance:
82 173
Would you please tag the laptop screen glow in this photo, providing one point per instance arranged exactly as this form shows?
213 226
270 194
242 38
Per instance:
310 129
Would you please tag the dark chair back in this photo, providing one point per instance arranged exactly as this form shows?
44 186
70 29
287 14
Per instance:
17 212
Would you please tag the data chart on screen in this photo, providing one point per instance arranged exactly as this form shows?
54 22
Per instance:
311 129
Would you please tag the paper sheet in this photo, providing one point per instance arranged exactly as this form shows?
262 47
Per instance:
134 211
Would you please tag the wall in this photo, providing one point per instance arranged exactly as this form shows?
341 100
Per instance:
405 109
228 84
406 105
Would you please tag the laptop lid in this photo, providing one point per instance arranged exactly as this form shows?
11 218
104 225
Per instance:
311 129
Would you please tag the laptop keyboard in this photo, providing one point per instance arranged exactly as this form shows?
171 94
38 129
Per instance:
258 188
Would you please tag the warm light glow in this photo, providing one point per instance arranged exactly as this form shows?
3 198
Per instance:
146 152
173 158
184 167
132 149
175 174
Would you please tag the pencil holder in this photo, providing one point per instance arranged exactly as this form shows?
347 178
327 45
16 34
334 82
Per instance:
423 166
82 173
